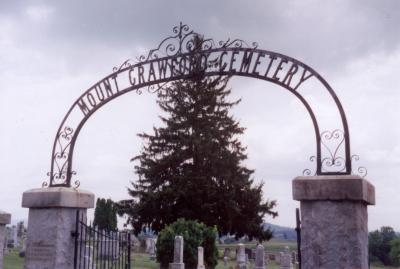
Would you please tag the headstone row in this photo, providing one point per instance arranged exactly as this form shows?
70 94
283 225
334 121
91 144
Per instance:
178 255
5 219
286 259
241 257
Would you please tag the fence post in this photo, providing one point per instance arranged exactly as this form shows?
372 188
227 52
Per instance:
129 250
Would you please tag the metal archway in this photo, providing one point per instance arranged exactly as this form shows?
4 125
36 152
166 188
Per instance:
172 60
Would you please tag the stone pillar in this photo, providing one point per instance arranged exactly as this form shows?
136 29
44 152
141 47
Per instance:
52 218
260 257
334 220
241 257
5 219
178 254
200 258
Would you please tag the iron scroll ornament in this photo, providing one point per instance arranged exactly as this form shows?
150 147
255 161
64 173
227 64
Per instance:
174 59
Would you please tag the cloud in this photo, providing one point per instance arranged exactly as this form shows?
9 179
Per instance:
39 13
326 35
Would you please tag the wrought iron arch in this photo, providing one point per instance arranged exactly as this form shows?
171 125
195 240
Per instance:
174 59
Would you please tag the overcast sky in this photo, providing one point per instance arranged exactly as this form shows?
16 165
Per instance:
52 51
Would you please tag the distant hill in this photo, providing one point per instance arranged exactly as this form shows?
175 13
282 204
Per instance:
281 232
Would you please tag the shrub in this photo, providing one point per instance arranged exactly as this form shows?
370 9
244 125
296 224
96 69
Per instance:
194 234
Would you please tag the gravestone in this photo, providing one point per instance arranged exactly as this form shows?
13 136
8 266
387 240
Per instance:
147 244
241 262
152 248
52 218
334 220
4 247
294 257
227 252
260 258
226 261
200 258
286 259
15 236
178 254
20 229
5 219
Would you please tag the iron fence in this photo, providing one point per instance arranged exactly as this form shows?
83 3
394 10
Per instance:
100 249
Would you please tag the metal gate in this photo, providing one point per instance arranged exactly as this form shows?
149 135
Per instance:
100 249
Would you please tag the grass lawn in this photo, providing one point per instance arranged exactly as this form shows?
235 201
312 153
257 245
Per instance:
13 261
382 267
142 260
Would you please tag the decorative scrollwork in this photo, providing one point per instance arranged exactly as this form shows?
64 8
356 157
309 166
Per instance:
60 156
172 45
337 164
77 183
67 133
332 142
334 163
183 42
236 43
331 159
126 64
156 87
360 170
308 171
45 184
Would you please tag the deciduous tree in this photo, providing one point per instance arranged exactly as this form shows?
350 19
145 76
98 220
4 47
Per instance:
380 245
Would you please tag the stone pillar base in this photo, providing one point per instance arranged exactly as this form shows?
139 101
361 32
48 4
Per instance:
334 221
52 218
5 219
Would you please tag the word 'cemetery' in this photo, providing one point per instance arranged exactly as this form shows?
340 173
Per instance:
253 63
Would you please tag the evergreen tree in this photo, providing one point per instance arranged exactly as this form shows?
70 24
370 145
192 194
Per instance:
192 167
105 215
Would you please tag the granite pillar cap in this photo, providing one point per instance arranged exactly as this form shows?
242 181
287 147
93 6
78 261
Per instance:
5 218
334 188
57 197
